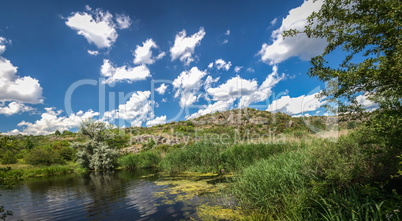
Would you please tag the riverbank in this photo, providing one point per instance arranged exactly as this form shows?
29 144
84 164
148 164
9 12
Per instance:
300 176
10 174
296 179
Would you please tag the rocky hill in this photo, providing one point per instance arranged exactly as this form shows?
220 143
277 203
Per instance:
237 124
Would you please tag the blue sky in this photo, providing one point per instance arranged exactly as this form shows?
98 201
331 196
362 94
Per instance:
209 55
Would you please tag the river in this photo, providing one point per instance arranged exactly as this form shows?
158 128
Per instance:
117 195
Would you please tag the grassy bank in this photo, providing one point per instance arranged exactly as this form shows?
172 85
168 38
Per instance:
307 178
11 174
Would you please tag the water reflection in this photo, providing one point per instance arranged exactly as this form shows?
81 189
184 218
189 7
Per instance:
118 195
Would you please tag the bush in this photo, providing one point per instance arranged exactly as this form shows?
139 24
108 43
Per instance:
96 155
9 158
67 153
353 159
147 159
43 156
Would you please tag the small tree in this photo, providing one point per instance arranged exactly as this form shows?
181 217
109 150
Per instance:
9 158
57 133
95 154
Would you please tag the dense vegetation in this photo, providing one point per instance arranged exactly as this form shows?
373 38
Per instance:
291 174
295 176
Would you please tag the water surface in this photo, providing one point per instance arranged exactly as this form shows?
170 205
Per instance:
118 195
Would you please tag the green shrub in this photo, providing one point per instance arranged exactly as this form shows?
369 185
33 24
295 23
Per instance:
147 159
353 159
9 157
95 154
67 153
43 156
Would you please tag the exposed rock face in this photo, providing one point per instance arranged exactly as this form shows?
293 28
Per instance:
158 139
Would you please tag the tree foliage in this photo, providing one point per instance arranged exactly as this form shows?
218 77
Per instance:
95 154
369 31
369 34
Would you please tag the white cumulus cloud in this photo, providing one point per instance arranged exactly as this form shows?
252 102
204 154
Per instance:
16 88
183 48
143 54
50 121
237 69
161 89
123 73
366 103
156 121
97 26
2 44
187 84
123 21
233 89
296 105
14 108
263 91
299 45
236 88
220 64
212 108
136 110
93 52
226 94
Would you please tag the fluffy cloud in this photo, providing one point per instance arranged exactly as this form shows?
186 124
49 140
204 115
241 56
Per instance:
15 88
237 69
263 91
233 89
226 94
366 103
247 90
187 84
2 46
14 108
51 121
161 89
93 52
299 45
220 64
123 73
97 26
136 110
143 54
296 105
184 46
209 81
212 108
156 121
123 21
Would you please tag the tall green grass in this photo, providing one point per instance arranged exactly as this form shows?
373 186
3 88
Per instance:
209 157
323 181
275 185
351 204
198 157
241 156
146 159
